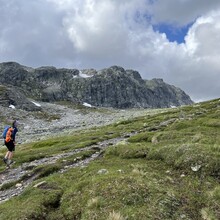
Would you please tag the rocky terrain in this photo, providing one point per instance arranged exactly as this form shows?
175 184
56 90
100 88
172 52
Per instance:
55 119
47 101
110 87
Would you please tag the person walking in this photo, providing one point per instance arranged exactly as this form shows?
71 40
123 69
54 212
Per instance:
10 143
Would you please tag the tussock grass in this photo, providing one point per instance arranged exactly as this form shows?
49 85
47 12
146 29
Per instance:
115 216
8 185
43 170
128 151
35 204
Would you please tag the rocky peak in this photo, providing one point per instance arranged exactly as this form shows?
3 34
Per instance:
10 65
116 69
158 80
89 72
109 87
134 74
112 71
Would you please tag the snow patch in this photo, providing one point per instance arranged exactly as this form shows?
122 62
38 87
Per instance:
12 106
87 105
37 104
82 75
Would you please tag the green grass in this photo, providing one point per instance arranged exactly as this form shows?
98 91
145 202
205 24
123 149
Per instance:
170 169
37 150
133 188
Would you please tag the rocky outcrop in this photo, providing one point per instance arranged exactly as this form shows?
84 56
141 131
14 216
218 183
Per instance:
110 87
12 97
169 95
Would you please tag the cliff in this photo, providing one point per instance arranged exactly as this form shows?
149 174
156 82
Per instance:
110 87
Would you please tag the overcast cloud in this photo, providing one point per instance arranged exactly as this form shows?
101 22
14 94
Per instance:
100 33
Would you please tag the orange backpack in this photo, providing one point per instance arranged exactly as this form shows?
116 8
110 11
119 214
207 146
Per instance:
9 135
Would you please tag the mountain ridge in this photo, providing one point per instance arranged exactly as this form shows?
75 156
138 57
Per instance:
110 87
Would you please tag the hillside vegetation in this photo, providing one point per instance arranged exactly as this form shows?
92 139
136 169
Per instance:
169 168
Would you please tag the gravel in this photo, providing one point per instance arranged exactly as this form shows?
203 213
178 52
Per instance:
57 119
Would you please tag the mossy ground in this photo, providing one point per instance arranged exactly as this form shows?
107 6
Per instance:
169 170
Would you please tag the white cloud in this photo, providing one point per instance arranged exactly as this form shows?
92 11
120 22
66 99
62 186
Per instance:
102 28
32 33
180 12
203 39
94 30
202 51
97 34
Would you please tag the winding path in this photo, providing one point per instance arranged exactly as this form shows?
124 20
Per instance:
24 171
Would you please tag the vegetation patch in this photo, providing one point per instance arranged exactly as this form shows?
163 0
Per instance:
169 169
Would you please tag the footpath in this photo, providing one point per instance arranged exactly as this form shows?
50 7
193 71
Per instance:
23 176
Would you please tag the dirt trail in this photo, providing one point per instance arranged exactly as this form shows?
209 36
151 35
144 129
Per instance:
25 177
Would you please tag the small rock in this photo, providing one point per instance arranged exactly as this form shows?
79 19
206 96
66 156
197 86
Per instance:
18 185
77 159
154 140
182 216
102 171
145 125
196 168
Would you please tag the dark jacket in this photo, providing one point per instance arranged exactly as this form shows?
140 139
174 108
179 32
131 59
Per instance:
14 133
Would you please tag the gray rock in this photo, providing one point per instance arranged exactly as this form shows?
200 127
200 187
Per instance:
110 87
13 96
103 171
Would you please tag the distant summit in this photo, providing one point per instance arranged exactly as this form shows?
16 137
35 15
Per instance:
110 87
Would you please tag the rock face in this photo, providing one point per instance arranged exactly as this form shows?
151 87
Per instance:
110 87
169 95
11 97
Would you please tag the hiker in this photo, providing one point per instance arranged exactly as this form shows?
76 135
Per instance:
10 143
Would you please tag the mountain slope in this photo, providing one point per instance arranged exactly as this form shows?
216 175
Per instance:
169 168
110 87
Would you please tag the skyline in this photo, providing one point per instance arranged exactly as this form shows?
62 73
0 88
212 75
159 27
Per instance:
176 40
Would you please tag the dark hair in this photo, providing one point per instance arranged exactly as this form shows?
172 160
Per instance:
14 123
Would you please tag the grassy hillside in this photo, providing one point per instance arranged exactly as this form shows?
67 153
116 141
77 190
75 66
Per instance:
170 169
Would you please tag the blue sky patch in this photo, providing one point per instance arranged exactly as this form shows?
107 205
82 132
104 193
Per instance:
173 33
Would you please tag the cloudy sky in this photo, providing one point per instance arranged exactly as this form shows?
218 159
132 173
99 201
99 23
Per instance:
177 40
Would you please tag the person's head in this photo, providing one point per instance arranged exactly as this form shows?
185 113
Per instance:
14 124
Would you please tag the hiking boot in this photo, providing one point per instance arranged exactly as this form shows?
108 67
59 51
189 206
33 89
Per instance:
5 160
